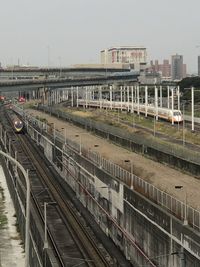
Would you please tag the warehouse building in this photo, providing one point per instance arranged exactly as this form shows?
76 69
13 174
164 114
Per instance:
133 56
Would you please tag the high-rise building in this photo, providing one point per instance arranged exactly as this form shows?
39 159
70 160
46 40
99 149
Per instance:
174 71
184 70
198 65
135 56
166 68
177 67
157 66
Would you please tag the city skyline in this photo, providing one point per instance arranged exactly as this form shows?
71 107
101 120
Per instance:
64 33
173 68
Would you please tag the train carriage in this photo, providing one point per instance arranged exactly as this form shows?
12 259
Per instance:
162 113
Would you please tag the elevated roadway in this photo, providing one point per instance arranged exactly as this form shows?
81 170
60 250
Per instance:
20 72
22 85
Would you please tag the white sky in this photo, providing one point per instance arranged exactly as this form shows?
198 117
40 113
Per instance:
76 30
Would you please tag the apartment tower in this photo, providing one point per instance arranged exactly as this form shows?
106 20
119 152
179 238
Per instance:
177 67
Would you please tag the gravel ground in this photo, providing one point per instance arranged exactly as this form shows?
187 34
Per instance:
158 174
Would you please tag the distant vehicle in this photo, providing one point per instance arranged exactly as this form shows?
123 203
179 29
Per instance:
21 99
2 99
162 113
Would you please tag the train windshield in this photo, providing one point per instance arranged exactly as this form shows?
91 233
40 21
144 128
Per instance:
177 113
18 123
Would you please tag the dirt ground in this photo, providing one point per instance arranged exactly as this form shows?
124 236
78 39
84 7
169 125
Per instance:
156 173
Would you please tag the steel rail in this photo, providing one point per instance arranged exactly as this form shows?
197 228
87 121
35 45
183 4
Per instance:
20 139
66 208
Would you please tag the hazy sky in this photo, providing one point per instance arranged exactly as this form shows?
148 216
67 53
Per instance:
74 31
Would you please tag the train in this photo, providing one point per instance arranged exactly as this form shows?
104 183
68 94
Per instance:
17 123
18 126
167 114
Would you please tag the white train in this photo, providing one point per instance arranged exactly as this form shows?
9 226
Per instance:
162 113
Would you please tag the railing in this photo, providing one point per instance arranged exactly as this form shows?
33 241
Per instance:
160 145
168 202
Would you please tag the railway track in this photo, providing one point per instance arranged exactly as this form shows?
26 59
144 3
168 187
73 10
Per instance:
68 234
160 135
66 210
188 125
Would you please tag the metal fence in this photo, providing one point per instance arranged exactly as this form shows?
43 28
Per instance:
160 145
178 208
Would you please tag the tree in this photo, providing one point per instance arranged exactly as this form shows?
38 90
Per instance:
188 83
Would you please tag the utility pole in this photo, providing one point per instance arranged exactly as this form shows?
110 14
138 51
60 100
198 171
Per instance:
183 124
192 96
182 257
172 90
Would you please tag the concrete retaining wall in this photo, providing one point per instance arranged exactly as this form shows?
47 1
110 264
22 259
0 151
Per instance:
143 230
